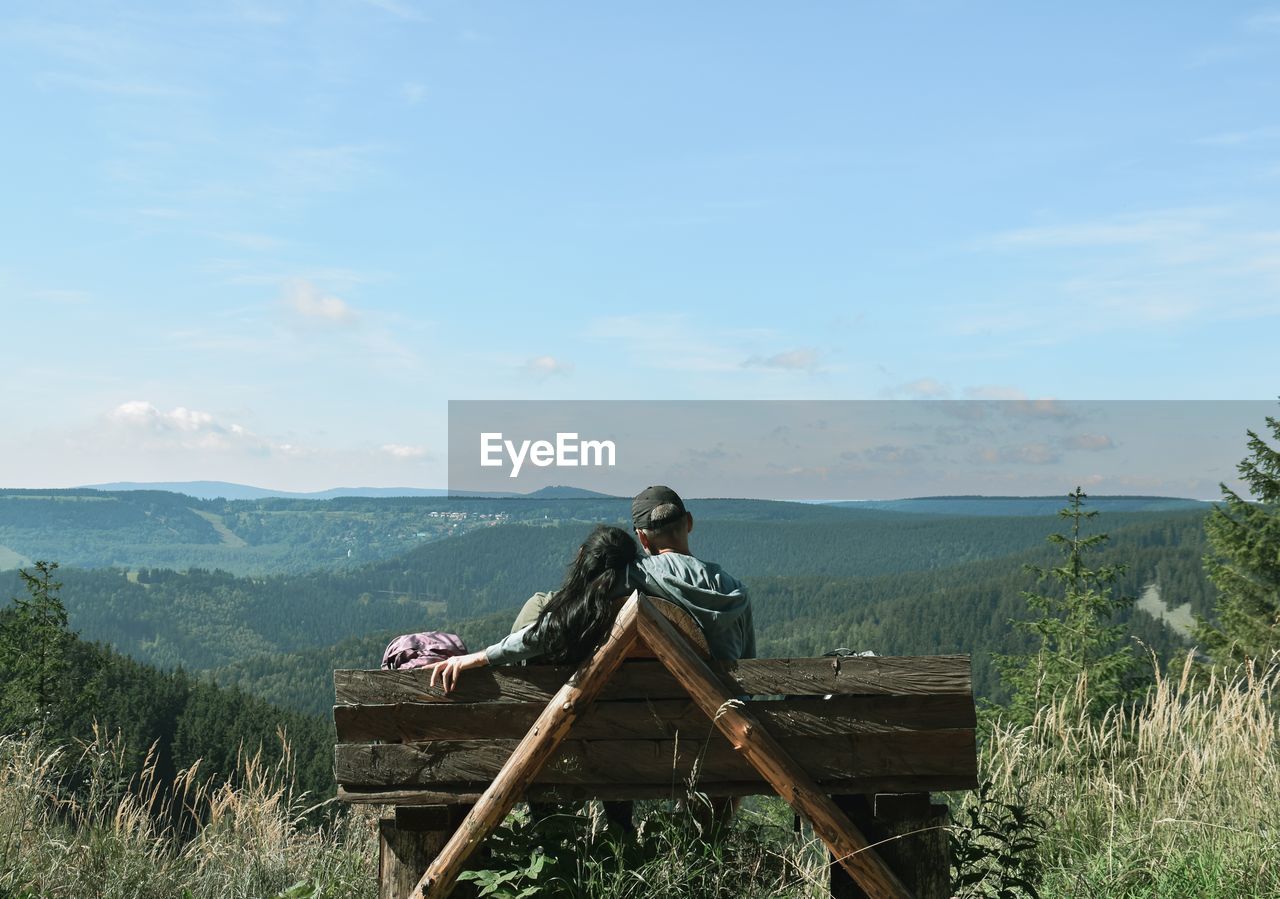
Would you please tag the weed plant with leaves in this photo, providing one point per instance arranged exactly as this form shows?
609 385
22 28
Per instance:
573 856
993 848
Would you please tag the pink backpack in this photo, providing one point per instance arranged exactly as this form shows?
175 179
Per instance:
420 650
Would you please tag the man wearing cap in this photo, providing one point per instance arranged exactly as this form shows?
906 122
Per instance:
713 597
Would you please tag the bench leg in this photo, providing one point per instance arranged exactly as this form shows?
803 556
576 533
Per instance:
409 842
922 861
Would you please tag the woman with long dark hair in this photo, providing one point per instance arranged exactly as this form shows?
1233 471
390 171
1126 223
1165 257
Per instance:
575 619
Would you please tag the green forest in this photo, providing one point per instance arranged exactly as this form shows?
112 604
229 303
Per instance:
892 582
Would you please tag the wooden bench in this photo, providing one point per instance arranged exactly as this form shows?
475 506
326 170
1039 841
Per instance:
849 728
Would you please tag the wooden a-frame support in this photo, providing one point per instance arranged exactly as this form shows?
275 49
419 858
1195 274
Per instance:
638 619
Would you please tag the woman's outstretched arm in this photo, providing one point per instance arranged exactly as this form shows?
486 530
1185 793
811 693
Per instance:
450 668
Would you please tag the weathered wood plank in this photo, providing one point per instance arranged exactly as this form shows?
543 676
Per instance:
469 793
643 679
655 719
941 752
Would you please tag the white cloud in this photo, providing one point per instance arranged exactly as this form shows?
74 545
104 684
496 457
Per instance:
1139 228
1164 269
889 454
140 422
1089 442
802 359
994 392
306 300
919 389
546 366
1023 454
250 241
139 413
401 451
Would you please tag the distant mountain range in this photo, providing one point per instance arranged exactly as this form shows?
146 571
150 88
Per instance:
929 505
1022 505
227 490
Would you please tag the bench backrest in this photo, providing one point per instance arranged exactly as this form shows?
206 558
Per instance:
857 725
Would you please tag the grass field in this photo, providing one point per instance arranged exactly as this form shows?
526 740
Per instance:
1179 797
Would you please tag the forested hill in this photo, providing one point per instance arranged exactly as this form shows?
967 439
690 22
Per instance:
1022 505
149 528
821 576
962 608
88 528
204 619
178 718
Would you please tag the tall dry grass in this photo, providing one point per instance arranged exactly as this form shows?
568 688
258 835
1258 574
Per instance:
72 826
1176 796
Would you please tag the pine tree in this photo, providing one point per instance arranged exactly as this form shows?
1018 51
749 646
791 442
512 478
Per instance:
34 643
1071 627
1244 560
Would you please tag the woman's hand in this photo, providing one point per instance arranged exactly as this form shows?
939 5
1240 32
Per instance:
450 668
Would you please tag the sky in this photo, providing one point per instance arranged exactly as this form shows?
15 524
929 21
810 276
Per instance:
268 242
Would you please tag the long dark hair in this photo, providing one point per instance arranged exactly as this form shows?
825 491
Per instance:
579 615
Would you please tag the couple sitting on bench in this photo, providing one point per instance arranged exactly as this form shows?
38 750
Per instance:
566 626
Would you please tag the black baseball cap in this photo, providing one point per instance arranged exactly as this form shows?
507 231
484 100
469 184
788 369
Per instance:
651 498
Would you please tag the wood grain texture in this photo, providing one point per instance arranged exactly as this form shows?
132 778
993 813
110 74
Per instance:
832 757
468 794
403 856
650 719
642 679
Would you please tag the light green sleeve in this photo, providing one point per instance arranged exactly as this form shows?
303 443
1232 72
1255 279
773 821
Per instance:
529 612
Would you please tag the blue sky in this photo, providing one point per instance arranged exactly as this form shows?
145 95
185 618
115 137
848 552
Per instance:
268 241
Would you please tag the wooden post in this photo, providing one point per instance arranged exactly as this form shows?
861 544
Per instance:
767 756
923 854
408 842
915 847
859 808
533 752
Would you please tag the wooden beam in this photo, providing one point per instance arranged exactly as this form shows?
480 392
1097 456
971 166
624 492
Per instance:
750 738
883 675
421 722
469 793
533 752
828 757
